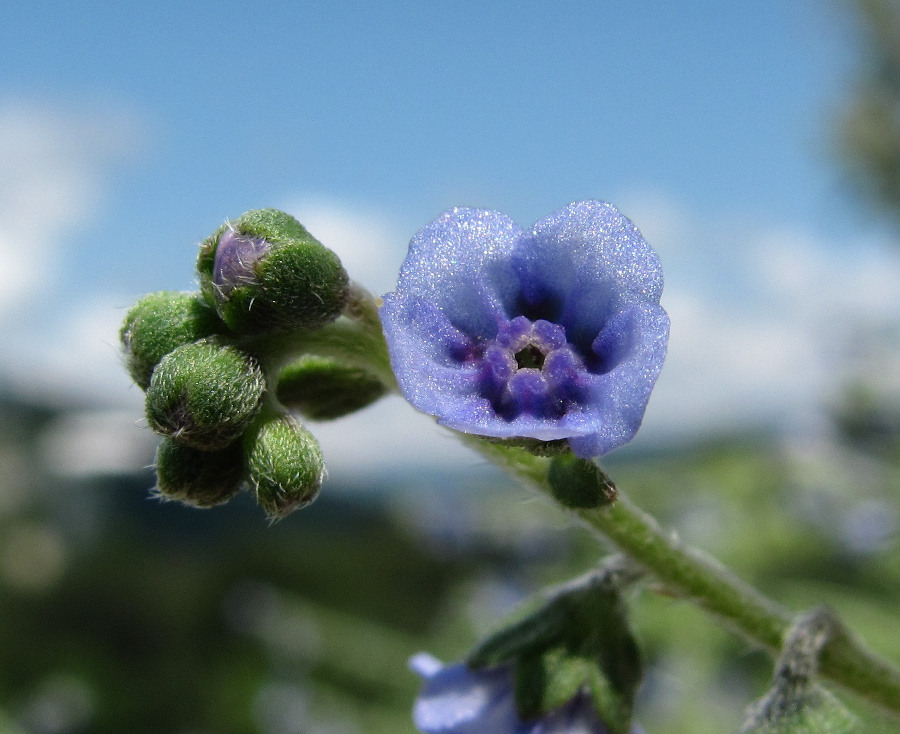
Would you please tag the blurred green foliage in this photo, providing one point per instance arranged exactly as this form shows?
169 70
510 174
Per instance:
121 613
869 128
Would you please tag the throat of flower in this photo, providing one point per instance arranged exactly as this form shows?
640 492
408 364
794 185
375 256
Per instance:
531 356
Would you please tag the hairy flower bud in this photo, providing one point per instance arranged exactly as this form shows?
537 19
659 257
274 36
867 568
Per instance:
204 394
198 478
284 465
323 389
264 272
580 484
158 323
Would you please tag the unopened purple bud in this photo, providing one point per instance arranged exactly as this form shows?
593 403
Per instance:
264 272
235 263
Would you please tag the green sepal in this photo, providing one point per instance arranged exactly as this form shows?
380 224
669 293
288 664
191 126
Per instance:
160 322
284 465
198 478
548 680
533 446
324 389
580 484
579 638
297 284
808 709
205 394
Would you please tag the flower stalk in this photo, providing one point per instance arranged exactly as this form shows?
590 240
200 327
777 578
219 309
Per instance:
696 577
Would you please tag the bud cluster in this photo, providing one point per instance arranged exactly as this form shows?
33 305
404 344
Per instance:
217 390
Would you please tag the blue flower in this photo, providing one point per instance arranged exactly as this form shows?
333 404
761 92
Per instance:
551 333
459 700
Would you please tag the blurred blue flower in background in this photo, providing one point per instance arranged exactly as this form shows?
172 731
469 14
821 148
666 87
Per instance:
457 699
551 333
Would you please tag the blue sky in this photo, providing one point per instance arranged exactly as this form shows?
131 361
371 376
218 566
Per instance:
129 131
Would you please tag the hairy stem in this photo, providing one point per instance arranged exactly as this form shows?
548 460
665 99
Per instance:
355 339
697 577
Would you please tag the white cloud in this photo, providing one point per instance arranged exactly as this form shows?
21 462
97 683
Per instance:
75 361
54 163
388 436
768 321
370 243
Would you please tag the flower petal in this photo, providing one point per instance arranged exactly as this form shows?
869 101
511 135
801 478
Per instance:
428 354
582 286
591 242
459 700
460 262
632 345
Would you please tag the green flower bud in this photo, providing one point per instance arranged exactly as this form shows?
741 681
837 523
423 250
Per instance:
323 389
198 478
157 324
204 394
264 272
284 465
580 484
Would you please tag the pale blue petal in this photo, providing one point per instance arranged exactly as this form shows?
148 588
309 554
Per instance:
461 263
458 700
472 274
590 243
633 345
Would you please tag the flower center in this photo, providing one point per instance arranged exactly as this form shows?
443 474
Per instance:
530 368
532 356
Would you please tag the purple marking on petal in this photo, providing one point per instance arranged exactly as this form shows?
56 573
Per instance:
528 392
512 333
235 260
547 335
499 365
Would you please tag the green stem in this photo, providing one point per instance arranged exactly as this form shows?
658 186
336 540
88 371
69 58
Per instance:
355 339
695 576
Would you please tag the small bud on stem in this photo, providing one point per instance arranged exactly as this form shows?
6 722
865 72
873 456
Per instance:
323 389
198 478
264 273
284 465
205 394
158 323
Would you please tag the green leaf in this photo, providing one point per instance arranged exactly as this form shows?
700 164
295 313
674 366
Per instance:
546 681
578 638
